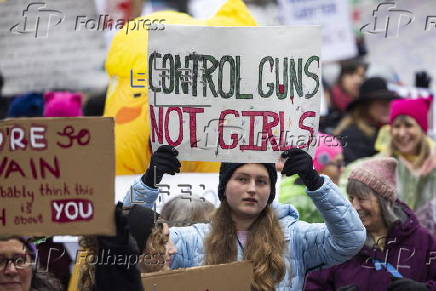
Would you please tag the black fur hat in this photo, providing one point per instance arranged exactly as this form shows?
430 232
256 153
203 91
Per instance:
141 221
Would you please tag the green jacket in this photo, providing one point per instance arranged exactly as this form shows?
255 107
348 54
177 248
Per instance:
296 195
415 190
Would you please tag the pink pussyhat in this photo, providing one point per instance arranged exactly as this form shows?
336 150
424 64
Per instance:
415 108
328 148
62 104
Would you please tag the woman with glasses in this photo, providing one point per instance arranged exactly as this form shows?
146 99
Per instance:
17 258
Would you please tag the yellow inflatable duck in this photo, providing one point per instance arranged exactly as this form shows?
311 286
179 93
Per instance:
129 106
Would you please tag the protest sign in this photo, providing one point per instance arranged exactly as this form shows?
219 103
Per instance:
238 276
203 185
231 93
334 16
57 176
389 37
52 44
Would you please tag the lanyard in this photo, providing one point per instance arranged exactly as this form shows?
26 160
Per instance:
391 269
240 244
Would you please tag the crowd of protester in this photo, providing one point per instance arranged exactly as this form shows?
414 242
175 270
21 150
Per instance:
359 215
376 148
382 156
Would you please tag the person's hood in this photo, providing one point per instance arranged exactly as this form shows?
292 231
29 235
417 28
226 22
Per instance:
399 232
407 227
430 163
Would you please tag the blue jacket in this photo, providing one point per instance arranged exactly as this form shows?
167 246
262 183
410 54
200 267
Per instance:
310 245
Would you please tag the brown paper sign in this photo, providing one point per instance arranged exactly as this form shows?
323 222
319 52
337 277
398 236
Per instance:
57 176
234 276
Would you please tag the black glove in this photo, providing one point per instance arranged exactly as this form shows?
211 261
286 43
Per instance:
422 79
299 162
405 284
166 162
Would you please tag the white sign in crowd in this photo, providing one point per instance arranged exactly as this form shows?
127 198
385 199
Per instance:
241 94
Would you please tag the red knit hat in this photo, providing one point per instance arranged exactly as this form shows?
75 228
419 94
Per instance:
415 108
378 174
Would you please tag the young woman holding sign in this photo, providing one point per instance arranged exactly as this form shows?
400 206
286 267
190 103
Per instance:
248 225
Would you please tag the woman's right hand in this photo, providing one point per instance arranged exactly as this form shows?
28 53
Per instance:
165 161
300 162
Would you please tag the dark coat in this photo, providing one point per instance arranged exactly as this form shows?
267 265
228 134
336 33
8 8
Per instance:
357 144
410 249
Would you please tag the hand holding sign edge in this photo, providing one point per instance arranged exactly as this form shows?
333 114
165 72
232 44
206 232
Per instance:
163 161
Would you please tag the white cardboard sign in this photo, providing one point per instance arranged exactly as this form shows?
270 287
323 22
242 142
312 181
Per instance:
334 16
230 93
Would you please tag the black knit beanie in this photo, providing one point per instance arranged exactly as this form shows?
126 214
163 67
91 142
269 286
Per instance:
141 222
227 169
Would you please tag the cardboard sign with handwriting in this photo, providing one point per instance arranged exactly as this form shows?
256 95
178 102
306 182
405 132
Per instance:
233 276
215 98
57 176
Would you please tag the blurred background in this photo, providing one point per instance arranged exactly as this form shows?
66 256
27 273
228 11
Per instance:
61 45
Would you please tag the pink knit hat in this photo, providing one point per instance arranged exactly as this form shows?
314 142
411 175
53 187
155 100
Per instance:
62 104
415 108
328 148
378 174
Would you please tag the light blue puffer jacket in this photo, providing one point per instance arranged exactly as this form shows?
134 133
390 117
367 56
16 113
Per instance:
310 245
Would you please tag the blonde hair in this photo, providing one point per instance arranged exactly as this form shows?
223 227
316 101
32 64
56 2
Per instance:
264 247
424 148
154 247
86 279
358 117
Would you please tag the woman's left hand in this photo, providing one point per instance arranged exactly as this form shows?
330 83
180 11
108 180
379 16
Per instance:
299 162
